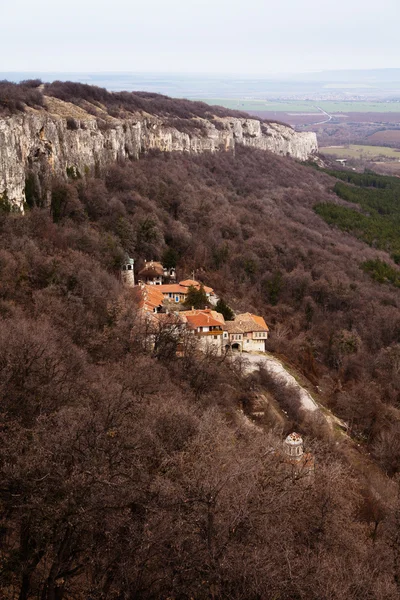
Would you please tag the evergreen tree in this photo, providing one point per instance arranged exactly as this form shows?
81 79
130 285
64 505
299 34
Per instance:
170 258
223 308
196 298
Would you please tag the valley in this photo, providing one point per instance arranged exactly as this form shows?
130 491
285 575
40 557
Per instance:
347 124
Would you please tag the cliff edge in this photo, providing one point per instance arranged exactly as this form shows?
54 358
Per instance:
65 140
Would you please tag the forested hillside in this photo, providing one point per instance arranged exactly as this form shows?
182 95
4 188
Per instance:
376 218
129 473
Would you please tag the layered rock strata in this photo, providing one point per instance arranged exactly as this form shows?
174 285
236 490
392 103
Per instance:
37 145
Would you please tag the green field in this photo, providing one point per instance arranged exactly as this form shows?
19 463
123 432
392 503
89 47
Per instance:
303 106
354 151
244 104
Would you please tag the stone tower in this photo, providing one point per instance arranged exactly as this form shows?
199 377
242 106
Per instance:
293 446
127 273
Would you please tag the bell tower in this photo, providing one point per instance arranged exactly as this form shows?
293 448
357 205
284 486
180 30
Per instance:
127 272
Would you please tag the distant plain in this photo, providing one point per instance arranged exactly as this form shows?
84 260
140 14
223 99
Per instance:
361 151
305 106
388 136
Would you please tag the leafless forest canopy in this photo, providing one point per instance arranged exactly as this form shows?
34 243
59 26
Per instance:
127 472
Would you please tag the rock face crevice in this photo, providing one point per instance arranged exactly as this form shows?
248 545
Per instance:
37 145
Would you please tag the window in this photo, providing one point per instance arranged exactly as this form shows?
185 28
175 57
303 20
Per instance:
215 337
176 298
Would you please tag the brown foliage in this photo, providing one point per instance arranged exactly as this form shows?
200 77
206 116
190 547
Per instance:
125 471
14 97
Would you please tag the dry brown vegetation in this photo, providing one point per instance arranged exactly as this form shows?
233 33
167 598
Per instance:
385 137
14 97
126 473
84 100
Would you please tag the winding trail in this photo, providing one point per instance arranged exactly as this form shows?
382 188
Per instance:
351 451
252 362
276 368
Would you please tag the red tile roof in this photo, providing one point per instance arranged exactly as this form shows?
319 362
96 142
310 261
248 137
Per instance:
202 321
205 311
246 323
198 318
192 282
189 282
148 297
259 320
172 288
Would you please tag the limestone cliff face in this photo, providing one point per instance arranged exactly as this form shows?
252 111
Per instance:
38 145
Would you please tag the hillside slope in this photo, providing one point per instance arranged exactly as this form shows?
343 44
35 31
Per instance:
127 472
246 224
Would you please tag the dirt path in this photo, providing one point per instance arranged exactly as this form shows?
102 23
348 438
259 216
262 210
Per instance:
252 361
276 368
351 451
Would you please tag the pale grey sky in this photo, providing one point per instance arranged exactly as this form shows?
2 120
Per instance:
220 36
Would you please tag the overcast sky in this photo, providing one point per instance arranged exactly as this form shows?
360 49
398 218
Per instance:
220 36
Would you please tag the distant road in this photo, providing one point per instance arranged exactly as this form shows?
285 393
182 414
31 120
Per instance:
324 113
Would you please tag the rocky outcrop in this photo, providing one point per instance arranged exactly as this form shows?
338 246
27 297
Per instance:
37 145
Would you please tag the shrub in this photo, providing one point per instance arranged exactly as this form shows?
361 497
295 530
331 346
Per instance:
381 271
14 97
72 125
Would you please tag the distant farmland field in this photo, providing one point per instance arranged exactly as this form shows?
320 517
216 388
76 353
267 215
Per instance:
358 151
293 118
261 105
306 106
299 118
390 136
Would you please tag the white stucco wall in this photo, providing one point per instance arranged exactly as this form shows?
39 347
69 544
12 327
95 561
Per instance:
207 342
253 345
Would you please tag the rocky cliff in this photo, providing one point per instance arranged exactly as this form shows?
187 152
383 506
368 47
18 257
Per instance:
64 140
